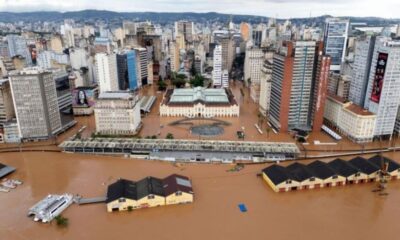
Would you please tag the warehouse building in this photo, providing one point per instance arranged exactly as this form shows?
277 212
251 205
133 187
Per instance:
149 192
319 174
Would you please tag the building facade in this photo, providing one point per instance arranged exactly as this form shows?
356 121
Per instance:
217 70
106 66
253 63
36 107
199 102
335 40
117 113
349 119
7 111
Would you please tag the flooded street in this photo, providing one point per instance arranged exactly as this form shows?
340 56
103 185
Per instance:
351 212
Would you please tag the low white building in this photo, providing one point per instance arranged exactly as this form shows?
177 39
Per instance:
117 113
351 120
199 102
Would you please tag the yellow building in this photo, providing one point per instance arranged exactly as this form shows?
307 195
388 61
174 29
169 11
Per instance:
279 179
149 192
344 168
393 168
329 177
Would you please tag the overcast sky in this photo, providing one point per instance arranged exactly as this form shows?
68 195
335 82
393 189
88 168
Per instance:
270 8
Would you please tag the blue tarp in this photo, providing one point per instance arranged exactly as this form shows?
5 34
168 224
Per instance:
242 207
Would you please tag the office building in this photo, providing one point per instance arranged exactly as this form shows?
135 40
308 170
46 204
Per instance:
117 113
174 56
335 40
298 69
217 70
253 63
7 111
36 106
106 67
142 66
186 29
364 49
245 29
383 91
349 119
17 46
225 79
265 84
127 70
228 52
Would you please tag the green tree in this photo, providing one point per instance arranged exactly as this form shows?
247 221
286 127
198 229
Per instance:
197 81
161 85
169 136
61 221
193 71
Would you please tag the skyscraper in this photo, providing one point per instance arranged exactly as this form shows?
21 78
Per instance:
127 70
228 52
141 63
253 63
298 83
217 71
174 56
36 106
335 40
361 69
186 29
383 91
17 46
106 66
265 84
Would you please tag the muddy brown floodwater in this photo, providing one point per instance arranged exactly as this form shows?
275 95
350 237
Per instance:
352 212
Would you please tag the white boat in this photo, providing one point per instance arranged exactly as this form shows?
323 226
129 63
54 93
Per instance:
4 189
8 184
50 207
17 182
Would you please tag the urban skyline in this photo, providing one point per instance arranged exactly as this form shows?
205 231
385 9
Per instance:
284 9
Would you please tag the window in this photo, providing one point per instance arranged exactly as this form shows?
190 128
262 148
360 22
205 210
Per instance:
357 174
288 181
150 196
178 193
312 179
334 177
121 200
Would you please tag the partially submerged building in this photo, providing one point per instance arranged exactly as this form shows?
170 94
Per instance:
148 192
5 170
319 174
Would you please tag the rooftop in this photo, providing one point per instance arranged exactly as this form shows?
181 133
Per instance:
199 94
116 95
359 110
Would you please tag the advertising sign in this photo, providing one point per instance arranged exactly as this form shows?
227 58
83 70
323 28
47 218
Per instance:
379 75
83 97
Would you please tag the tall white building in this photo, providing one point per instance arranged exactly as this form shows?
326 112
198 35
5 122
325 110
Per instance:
335 40
174 56
252 71
117 113
142 66
217 71
361 69
106 66
383 91
225 78
36 106
265 85
17 46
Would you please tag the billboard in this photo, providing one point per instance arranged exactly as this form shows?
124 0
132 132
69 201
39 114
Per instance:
379 75
83 97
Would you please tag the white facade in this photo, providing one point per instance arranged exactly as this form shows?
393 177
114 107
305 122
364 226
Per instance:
217 70
79 58
106 66
117 113
351 120
335 40
45 59
265 87
387 105
252 71
142 66
174 56
225 79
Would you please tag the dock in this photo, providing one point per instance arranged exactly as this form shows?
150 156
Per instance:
83 201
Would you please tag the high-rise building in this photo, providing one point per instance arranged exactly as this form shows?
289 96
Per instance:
142 66
228 52
245 31
257 37
36 106
17 46
253 63
383 91
297 74
225 78
335 40
361 68
127 70
265 84
174 56
106 67
217 70
6 103
186 29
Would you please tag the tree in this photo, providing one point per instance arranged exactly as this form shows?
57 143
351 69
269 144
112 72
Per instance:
130 208
193 71
197 81
161 85
170 136
61 221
